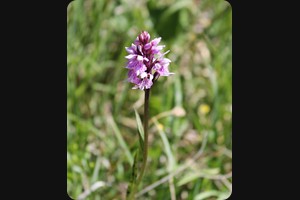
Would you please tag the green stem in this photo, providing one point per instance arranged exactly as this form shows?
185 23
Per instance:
145 152
146 119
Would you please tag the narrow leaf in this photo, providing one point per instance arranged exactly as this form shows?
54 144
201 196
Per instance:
121 140
207 194
167 147
140 129
133 172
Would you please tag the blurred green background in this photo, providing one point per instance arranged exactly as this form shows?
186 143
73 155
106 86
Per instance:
190 110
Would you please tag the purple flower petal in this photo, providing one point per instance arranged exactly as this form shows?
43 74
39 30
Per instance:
132 49
145 59
147 46
155 41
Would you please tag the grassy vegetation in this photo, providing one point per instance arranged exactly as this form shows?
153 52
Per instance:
191 126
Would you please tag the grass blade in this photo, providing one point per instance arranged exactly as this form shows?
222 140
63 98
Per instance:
133 173
140 129
167 147
121 140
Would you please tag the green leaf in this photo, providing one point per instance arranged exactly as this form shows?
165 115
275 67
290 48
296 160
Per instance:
167 147
134 172
184 18
121 140
224 195
188 178
179 5
191 176
205 195
134 166
140 129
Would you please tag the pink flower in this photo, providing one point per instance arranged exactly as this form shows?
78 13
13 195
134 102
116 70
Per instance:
143 65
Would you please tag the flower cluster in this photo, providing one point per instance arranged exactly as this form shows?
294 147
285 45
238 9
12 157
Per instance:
146 62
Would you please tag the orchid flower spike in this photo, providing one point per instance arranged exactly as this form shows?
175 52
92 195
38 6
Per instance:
146 62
